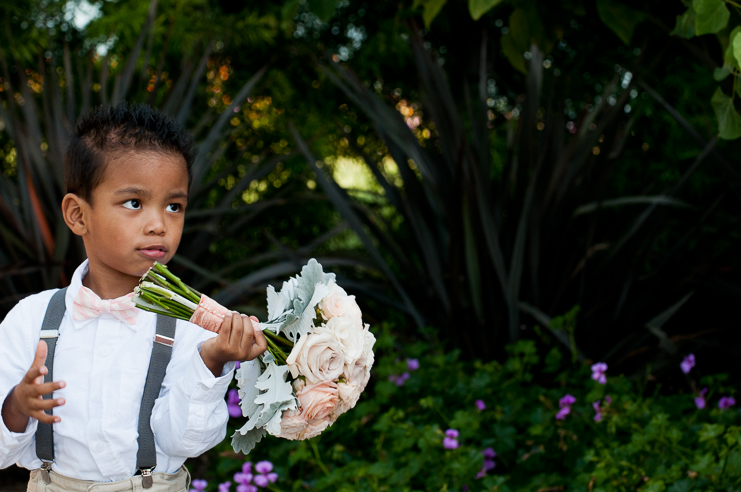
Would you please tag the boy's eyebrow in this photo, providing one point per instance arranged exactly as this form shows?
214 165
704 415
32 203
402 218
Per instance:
178 194
133 190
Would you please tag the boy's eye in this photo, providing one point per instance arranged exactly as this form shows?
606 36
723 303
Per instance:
174 207
133 204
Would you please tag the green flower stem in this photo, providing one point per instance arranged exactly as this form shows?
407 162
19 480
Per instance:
277 352
168 310
278 338
189 293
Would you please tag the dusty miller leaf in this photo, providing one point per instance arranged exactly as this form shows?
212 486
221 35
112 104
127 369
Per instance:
244 443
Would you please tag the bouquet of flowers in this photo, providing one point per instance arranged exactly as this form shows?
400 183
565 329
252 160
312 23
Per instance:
319 351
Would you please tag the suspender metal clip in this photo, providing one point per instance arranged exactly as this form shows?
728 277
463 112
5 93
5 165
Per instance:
45 469
147 480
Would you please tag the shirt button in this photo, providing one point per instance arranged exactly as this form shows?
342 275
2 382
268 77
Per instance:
99 447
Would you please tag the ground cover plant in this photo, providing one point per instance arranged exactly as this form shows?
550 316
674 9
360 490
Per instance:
536 421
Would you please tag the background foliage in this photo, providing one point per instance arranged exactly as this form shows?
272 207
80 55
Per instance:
469 169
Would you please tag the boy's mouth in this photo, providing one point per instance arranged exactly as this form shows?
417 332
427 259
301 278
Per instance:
153 252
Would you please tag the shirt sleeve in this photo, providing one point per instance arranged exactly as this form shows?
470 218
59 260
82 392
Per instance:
190 415
16 355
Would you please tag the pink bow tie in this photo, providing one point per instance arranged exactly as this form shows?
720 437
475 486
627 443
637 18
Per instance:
88 305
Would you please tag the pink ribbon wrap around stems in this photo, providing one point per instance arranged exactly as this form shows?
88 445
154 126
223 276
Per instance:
210 315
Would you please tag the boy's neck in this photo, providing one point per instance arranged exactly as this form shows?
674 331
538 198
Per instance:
108 283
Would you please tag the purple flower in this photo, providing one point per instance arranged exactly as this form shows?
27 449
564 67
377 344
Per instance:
261 480
272 477
566 401
451 433
481 473
726 402
263 467
247 467
700 400
688 363
563 413
224 487
480 405
489 453
565 404
232 404
598 372
246 488
243 478
489 465
608 400
199 485
402 379
450 443
598 414
412 364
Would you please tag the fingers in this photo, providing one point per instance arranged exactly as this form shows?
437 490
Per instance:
237 330
247 335
261 342
46 388
45 418
40 359
226 329
35 375
41 405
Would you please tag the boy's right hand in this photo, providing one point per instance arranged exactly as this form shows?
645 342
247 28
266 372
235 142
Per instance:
25 400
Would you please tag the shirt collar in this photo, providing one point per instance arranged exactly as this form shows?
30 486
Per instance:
75 285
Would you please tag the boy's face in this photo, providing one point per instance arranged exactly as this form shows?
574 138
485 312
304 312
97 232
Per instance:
136 213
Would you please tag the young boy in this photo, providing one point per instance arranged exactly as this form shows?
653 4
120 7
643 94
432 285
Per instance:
127 172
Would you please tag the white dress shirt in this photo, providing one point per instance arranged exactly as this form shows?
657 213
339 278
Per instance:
104 362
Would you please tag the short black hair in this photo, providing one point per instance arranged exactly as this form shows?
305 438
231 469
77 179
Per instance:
109 131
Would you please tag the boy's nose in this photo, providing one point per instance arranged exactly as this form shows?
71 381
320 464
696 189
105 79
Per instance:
156 224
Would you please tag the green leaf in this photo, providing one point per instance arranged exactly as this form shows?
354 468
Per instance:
709 432
733 463
729 55
477 8
712 16
619 18
430 9
685 27
324 9
729 121
721 73
736 46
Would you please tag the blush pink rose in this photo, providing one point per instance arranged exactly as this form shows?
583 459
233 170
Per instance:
315 428
292 425
318 400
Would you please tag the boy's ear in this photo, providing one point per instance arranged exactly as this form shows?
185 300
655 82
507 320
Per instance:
74 211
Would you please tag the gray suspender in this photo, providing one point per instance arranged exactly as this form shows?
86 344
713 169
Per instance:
146 457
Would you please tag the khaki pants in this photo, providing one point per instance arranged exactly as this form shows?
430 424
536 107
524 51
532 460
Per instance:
163 482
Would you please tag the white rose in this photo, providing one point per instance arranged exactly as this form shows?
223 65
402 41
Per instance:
298 385
337 304
345 331
368 341
317 357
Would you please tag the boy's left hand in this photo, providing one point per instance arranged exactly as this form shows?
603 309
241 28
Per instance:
237 340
